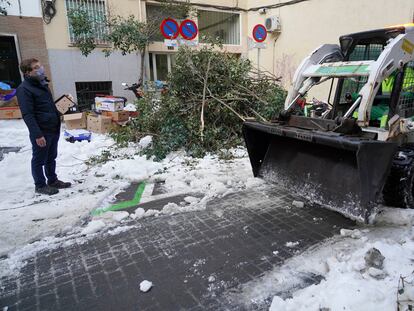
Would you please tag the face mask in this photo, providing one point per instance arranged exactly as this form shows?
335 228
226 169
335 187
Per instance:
40 73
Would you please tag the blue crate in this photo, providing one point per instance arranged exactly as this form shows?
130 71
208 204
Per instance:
77 135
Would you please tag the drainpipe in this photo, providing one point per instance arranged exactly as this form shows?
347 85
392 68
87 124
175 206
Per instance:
20 9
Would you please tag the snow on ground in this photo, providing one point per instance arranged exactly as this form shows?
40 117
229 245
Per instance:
348 282
26 217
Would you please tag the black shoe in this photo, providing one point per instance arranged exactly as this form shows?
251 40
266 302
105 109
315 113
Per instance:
58 184
46 190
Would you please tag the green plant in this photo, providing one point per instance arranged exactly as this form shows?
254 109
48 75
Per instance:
210 93
82 26
104 157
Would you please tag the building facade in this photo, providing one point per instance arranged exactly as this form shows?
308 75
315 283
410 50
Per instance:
309 24
21 36
302 26
81 76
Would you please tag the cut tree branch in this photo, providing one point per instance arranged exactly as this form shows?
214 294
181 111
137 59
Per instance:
204 100
224 104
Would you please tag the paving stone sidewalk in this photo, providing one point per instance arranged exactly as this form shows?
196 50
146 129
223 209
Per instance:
194 259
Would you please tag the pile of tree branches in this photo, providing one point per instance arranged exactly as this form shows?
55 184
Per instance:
210 93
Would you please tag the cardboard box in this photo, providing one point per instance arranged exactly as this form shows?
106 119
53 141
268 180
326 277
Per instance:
99 124
6 92
133 114
75 120
109 104
9 103
63 103
118 116
10 113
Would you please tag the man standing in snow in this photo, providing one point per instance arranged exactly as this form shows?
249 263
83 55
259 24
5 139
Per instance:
43 121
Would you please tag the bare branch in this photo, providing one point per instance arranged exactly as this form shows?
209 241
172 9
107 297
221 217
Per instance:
257 114
224 104
203 102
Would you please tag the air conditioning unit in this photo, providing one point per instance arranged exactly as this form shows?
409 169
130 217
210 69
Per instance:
273 24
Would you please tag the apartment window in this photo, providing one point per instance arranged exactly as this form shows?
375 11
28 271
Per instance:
96 10
223 25
87 91
160 65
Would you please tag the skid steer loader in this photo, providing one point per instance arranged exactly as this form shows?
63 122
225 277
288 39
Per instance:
354 147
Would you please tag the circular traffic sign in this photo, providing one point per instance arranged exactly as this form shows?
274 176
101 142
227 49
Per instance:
169 28
259 33
188 29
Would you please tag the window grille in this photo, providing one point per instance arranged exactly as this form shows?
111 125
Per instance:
87 91
96 10
222 25
366 52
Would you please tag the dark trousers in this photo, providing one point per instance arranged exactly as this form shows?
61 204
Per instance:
44 157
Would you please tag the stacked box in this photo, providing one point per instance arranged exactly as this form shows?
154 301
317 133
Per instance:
10 113
117 116
99 124
109 104
75 120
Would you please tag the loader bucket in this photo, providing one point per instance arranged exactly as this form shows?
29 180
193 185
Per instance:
342 173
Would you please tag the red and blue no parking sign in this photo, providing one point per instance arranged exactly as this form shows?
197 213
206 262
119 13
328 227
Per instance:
188 29
259 33
169 28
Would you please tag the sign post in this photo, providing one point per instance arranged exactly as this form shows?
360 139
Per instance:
188 29
169 29
259 35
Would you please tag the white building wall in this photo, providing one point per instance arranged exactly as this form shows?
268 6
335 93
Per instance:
70 66
309 24
28 8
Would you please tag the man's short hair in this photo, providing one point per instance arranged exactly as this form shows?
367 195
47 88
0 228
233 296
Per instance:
26 64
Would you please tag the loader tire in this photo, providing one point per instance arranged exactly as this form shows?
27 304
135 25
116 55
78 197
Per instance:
399 187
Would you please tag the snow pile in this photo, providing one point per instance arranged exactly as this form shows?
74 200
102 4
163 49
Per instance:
145 286
139 213
210 175
145 142
349 284
119 216
119 229
93 226
360 270
292 244
298 204
395 216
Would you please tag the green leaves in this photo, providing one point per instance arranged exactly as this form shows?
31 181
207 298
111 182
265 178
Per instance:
174 119
128 35
83 30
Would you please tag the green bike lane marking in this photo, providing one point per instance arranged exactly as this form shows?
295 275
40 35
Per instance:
122 205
